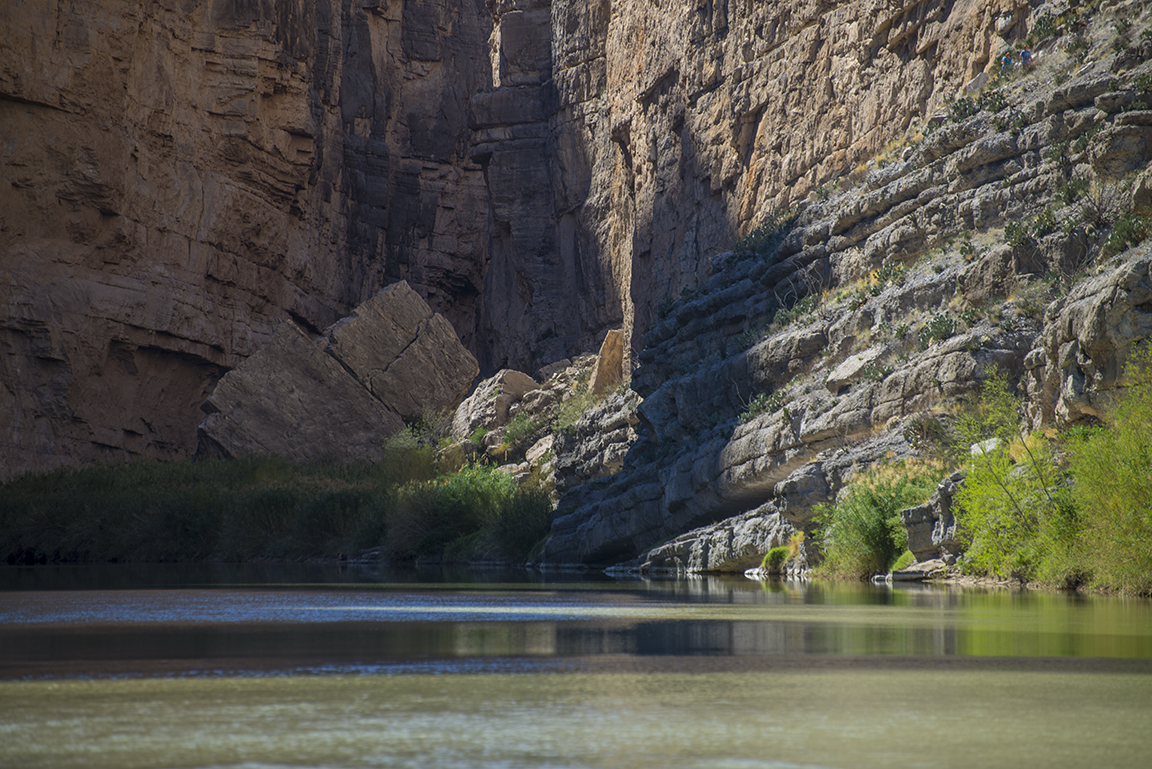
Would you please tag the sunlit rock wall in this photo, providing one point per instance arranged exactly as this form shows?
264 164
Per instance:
178 177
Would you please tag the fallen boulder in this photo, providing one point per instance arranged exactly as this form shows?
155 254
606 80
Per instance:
341 396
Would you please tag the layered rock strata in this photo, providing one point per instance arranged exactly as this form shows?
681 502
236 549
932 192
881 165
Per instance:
340 397
180 178
891 300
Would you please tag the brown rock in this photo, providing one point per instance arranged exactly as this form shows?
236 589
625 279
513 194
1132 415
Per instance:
609 370
292 399
408 357
340 397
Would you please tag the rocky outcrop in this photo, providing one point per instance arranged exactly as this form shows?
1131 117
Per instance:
340 397
182 178
736 545
1080 360
487 407
931 526
879 307
179 179
596 444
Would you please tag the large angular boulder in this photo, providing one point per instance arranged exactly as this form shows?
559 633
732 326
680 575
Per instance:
407 356
931 527
488 405
340 397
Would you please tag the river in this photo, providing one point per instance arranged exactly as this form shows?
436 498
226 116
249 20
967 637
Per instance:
322 666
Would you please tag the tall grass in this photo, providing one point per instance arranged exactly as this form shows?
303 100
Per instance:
862 533
1065 509
1016 507
1112 467
266 508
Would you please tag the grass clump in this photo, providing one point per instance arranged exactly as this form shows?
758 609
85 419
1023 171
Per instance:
762 242
862 533
479 511
1127 231
266 508
764 403
775 559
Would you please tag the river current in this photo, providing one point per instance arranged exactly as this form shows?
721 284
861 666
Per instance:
320 666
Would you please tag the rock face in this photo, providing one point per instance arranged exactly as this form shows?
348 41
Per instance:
1087 338
932 526
341 396
596 445
736 545
880 307
609 371
488 405
181 178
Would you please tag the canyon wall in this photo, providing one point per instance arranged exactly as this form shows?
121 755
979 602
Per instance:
179 177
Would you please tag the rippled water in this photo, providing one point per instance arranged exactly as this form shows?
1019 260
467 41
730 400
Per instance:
216 666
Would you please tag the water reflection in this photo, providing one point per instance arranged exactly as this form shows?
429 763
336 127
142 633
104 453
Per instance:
315 666
307 617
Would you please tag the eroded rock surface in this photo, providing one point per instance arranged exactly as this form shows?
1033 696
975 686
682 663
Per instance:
181 178
341 396
880 308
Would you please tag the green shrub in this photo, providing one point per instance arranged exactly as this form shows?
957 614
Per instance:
1015 508
905 560
775 559
1044 26
862 533
581 399
1112 468
266 507
939 327
762 242
786 317
425 517
1074 189
764 403
520 427
1128 230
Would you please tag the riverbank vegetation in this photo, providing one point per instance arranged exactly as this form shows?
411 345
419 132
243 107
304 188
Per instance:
1064 508
862 533
269 508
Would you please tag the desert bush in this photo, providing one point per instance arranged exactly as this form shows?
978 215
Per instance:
862 533
1015 509
1112 468
764 403
1127 231
763 241
939 327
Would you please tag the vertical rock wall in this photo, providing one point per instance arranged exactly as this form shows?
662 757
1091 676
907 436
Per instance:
178 177
685 122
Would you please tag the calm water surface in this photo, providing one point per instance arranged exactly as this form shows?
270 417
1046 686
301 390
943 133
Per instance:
318 666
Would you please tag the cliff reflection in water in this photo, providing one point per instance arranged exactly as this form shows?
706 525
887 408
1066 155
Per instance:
293 624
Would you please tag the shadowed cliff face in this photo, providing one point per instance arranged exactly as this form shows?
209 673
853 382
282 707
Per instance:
180 177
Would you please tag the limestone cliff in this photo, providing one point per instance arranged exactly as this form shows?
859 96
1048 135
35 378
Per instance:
179 177
1010 238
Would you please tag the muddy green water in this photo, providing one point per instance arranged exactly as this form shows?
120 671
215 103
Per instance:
319 667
